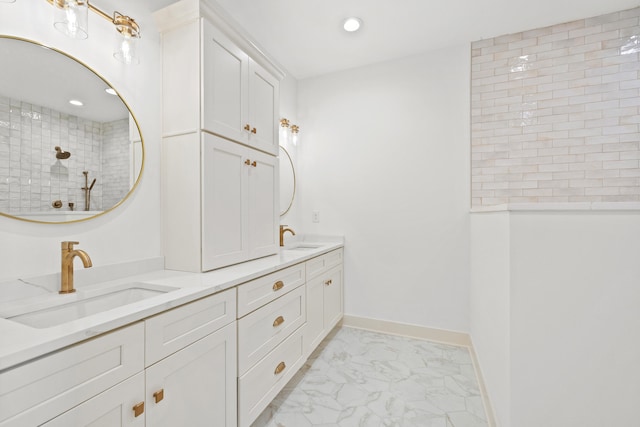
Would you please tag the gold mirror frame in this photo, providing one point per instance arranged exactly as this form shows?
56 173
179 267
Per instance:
293 170
126 105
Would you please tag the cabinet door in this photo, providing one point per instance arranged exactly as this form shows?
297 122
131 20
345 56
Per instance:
332 298
112 408
225 71
264 99
224 203
195 386
263 205
314 331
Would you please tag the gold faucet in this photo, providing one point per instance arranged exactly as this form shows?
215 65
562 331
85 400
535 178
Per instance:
284 230
68 254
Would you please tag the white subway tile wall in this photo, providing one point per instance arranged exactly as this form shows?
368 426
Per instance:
31 178
555 113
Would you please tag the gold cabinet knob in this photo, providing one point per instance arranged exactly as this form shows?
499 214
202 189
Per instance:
279 321
278 285
279 368
159 395
254 131
254 164
247 162
328 282
247 127
138 409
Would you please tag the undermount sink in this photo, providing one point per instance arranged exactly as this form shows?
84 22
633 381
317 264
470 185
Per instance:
59 309
302 247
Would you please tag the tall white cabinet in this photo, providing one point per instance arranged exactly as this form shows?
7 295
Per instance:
220 142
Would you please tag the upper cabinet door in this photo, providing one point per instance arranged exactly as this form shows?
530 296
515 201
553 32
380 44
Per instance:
264 99
225 76
263 198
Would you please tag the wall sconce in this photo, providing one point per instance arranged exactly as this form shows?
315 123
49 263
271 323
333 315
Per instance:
71 17
285 127
284 131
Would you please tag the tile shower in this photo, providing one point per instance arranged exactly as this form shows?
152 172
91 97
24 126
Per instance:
31 178
556 113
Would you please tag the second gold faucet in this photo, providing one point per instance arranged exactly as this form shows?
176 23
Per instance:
66 275
284 230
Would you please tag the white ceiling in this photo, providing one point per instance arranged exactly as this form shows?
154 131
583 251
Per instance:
305 36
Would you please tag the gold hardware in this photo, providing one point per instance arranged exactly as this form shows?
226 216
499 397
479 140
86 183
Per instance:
138 409
247 127
279 321
254 131
278 285
279 368
254 164
328 282
284 230
284 123
66 276
159 395
57 204
295 128
247 162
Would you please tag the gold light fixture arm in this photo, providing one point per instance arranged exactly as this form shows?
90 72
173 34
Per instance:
124 24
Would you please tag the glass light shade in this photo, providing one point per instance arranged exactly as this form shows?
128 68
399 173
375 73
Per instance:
7 1
71 17
127 49
284 134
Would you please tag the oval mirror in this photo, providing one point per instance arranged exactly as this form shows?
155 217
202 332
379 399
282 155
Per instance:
61 161
287 181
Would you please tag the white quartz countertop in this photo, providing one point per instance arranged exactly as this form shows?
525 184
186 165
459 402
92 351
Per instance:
20 343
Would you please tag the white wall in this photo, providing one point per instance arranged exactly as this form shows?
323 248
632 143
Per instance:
289 110
490 306
575 299
384 159
554 316
133 230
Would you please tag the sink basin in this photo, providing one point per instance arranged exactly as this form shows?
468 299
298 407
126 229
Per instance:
59 309
303 247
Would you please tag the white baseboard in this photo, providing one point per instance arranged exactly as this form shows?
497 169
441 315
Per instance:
430 334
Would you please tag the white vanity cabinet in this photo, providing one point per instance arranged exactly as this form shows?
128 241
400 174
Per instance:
220 99
240 97
182 373
272 315
37 391
325 306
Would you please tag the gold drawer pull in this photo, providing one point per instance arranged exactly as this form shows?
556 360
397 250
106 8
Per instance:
159 395
138 409
279 368
278 285
247 127
247 162
279 321
254 131
254 164
328 282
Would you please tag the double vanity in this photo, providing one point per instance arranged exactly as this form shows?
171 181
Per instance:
167 348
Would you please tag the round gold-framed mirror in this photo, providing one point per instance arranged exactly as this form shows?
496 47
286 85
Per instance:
71 149
287 181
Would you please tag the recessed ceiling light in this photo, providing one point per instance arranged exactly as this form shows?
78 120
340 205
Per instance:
352 24
110 91
76 103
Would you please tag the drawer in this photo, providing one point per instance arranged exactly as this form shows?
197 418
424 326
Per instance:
260 291
260 385
319 265
261 331
172 330
37 391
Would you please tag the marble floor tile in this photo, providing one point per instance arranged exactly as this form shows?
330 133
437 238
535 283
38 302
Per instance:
359 378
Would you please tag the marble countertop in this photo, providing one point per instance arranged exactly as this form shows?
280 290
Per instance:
19 343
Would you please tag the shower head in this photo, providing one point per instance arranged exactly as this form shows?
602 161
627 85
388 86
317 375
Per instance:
62 154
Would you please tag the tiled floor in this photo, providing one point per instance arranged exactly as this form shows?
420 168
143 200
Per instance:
362 378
